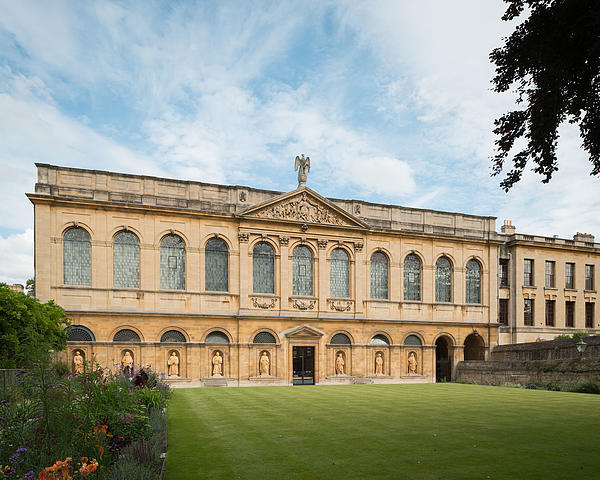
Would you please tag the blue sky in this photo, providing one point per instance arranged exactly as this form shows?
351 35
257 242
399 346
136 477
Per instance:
391 100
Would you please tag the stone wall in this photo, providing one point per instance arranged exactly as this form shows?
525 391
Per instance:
557 362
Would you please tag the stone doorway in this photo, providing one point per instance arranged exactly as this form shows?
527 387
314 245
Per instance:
443 364
303 365
474 347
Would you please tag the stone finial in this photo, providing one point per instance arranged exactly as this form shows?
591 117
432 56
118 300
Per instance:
508 228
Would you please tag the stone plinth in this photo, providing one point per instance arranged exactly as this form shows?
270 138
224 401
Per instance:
214 382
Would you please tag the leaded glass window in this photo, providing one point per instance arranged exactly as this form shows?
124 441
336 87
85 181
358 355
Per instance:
302 271
443 280
264 337
413 340
172 263
126 335
217 337
473 274
379 339
126 260
79 333
340 339
412 277
379 276
263 268
339 274
173 336
216 265
77 257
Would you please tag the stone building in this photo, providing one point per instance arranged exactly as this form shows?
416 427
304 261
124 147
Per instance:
240 286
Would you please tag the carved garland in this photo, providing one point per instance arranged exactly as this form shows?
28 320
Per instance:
340 305
304 304
265 304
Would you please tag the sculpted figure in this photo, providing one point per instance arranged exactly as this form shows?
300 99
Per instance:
412 363
77 363
173 364
217 363
265 364
127 364
379 364
303 166
339 364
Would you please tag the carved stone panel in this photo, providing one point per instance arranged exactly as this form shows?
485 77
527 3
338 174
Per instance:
264 303
340 305
300 304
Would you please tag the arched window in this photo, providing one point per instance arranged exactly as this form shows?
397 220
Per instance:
443 280
379 339
302 271
413 340
172 263
412 277
79 333
264 337
339 274
173 336
77 257
473 274
340 339
216 265
126 335
379 276
126 260
217 337
263 268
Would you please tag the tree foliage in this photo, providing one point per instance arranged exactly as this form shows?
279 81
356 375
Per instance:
553 60
28 328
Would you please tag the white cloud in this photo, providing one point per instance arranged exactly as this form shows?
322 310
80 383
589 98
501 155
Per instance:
16 257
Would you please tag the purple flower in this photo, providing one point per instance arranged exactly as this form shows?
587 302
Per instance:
29 475
21 450
8 471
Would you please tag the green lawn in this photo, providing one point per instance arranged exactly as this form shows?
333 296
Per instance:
426 431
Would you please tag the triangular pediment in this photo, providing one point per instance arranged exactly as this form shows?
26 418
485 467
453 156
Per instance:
306 206
303 331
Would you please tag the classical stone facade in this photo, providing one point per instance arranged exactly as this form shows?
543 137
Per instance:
239 286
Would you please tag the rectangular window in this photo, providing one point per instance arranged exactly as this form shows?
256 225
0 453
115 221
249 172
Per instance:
550 269
570 275
503 272
589 277
528 312
528 273
589 315
503 311
569 314
550 312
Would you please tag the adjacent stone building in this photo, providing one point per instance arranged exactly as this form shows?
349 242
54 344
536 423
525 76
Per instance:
240 286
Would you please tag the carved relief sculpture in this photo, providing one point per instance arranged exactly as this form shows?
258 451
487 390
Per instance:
173 364
304 304
265 304
340 305
301 208
217 363
340 364
412 363
127 364
379 364
264 364
77 363
243 237
302 165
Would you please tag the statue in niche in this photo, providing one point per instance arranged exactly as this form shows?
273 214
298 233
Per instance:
77 363
340 364
412 363
173 364
217 363
303 166
379 364
127 364
264 364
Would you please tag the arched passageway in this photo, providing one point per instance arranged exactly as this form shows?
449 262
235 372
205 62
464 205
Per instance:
443 362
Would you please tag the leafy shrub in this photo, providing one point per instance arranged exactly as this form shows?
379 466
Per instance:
586 387
580 334
562 337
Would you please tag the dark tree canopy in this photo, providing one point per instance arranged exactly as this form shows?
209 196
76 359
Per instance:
28 328
553 61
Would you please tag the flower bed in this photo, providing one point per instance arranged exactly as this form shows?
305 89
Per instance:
93 425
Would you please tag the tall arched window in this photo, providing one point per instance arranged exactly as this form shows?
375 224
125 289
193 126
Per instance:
339 274
172 263
126 260
216 265
379 276
77 257
473 274
443 280
412 277
302 271
263 268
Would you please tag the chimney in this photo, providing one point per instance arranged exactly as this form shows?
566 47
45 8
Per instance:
508 228
583 237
